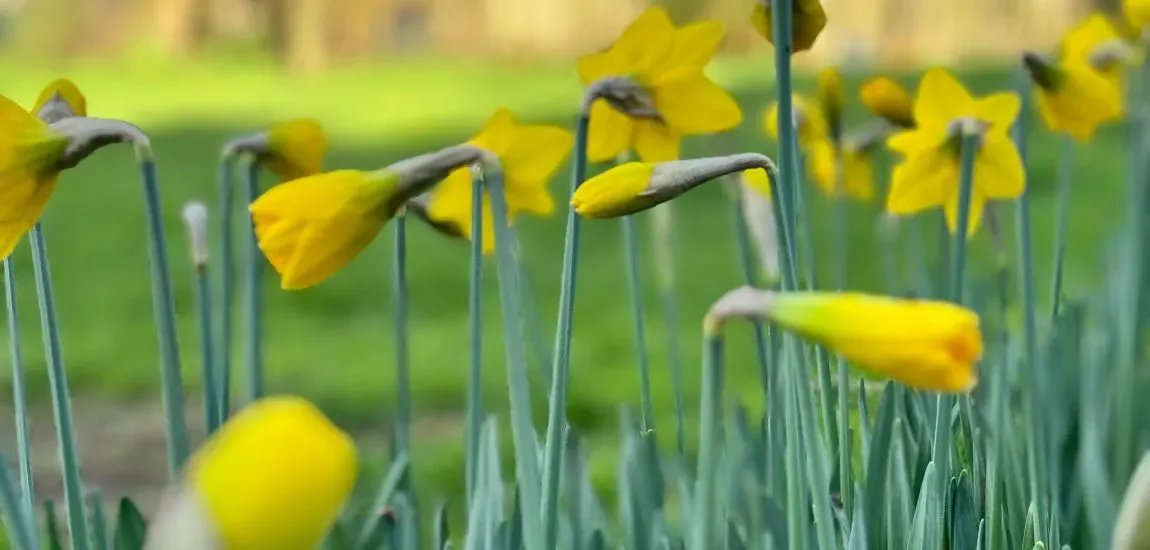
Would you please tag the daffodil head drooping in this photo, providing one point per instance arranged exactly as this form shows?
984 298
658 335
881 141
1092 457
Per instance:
290 150
311 227
924 344
275 476
831 102
1073 97
29 155
59 99
811 126
944 113
529 155
636 186
889 101
855 162
649 89
808 20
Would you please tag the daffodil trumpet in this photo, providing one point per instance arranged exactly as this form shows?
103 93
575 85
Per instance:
195 216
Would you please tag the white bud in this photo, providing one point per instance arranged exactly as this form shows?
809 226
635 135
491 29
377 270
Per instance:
196 218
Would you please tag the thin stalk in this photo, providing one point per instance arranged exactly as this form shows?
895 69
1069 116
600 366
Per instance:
254 268
710 439
58 385
475 330
556 414
172 386
1065 179
399 300
212 408
532 325
227 282
20 526
19 390
767 376
846 484
522 429
631 257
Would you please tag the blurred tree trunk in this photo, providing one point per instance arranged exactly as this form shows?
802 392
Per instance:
297 32
181 25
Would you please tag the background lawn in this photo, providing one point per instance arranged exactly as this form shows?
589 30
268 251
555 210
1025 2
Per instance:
333 343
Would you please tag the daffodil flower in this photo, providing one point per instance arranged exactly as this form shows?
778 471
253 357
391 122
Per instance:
29 154
1137 13
636 186
654 90
274 477
924 344
808 20
810 124
60 99
1097 43
1073 97
928 177
529 154
831 101
857 169
889 101
290 150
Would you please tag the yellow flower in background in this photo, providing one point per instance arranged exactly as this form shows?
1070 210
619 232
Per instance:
831 101
1096 42
1073 97
530 154
667 63
29 151
924 344
929 175
67 91
295 149
1136 12
810 124
311 227
807 21
889 101
858 170
274 477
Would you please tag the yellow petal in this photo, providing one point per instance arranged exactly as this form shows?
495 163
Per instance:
820 159
643 43
888 100
974 220
998 171
22 201
1000 110
812 126
831 98
296 149
655 142
1137 12
941 98
275 476
925 344
911 142
451 203
924 181
68 92
758 181
696 105
1085 100
312 227
497 134
535 153
808 21
858 180
692 47
616 192
1079 44
609 133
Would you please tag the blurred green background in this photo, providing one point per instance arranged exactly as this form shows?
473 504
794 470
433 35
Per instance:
193 77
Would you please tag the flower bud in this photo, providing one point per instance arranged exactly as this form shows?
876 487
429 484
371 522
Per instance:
195 216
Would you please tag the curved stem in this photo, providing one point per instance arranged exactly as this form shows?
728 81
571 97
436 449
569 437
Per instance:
474 419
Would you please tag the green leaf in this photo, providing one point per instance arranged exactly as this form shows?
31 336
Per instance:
926 532
52 527
21 528
442 529
98 521
964 522
878 463
131 528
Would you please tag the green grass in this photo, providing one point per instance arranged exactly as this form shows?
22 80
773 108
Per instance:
333 343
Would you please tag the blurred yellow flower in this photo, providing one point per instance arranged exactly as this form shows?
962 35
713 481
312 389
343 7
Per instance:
67 91
889 101
929 175
274 477
311 227
295 149
1137 12
807 21
1096 42
1073 97
29 151
924 344
831 101
530 154
757 181
667 63
811 126
858 170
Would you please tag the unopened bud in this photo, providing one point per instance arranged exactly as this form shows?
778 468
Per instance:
196 219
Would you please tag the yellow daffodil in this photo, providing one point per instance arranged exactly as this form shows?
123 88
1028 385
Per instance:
929 175
923 344
858 170
678 98
889 101
274 477
530 154
311 227
811 126
807 21
1073 97
1137 12
29 151
67 91
295 149
1096 42
831 101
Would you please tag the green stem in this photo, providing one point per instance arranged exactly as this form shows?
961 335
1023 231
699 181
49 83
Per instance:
522 429
475 329
1065 178
173 391
254 360
710 439
19 525
227 281
212 407
631 256
19 392
532 325
767 377
61 401
399 299
556 415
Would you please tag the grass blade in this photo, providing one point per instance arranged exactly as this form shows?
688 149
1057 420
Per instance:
227 282
475 334
253 275
19 391
17 520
